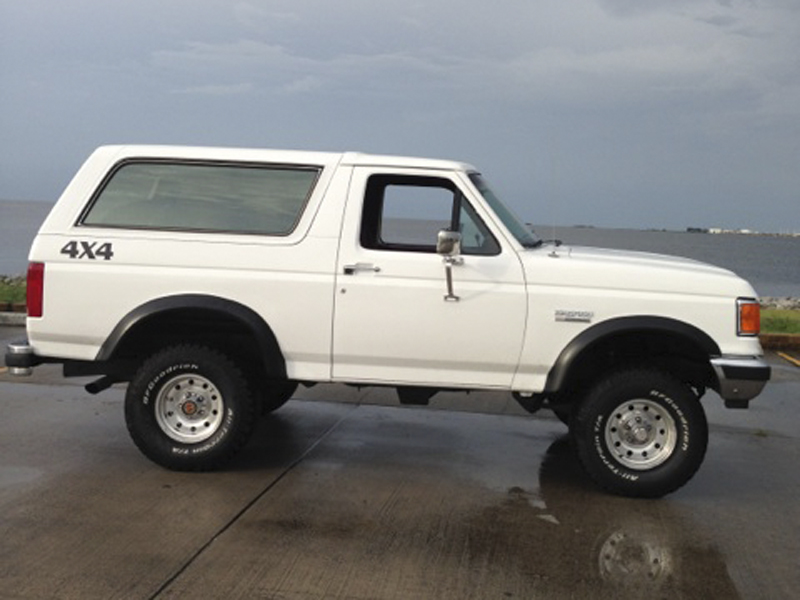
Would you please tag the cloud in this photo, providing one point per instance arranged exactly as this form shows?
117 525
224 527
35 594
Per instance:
234 89
273 67
623 98
304 85
719 20
661 52
197 57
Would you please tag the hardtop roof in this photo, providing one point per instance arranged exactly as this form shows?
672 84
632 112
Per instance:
304 157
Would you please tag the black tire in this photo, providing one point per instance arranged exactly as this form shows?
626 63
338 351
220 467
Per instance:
640 432
189 408
274 393
563 413
563 407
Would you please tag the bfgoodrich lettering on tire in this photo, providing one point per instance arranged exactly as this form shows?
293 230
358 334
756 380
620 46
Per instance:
640 432
189 408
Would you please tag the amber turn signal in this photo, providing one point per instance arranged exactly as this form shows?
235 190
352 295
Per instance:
749 316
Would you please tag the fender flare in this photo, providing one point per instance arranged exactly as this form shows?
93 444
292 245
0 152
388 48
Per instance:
640 324
270 351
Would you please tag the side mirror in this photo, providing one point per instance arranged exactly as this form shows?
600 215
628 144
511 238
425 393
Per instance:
448 243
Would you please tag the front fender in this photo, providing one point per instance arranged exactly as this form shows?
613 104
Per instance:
640 325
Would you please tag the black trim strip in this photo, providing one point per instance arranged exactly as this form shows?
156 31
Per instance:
271 354
742 373
640 324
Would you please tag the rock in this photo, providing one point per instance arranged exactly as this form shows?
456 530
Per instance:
785 303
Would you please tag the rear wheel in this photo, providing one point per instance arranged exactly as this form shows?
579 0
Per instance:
640 432
563 413
189 408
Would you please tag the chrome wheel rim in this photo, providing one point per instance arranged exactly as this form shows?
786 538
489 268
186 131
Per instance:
634 556
641 434
189 408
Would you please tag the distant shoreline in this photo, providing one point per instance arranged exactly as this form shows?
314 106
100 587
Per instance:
701 230
716 231
767 261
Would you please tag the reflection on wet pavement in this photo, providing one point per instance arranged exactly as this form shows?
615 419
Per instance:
376 513
342 500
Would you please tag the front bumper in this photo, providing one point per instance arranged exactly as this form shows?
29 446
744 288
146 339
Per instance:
741 378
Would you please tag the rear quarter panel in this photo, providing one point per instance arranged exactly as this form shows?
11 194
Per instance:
287 280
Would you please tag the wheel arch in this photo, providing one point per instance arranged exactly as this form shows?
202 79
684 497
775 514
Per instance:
201 317
686 348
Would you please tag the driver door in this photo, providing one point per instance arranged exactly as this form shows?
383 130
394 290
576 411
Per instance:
393 321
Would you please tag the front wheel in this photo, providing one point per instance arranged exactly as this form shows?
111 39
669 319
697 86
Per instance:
640 432
273 394
189 408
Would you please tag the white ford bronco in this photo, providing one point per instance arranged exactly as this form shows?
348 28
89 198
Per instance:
213 281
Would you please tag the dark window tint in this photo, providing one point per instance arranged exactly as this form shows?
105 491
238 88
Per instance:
203 197
406 213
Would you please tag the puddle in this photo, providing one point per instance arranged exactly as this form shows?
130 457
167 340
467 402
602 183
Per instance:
14 476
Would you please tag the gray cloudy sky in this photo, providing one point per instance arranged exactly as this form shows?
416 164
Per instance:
629 113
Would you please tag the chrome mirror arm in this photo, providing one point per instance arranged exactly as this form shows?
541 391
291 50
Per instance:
448 246
449 262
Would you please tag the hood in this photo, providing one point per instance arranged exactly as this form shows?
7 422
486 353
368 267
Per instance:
630 271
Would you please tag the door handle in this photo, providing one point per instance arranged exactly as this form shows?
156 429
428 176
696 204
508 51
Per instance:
353 269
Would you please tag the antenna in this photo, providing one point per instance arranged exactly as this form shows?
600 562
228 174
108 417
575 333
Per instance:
554 186
553 176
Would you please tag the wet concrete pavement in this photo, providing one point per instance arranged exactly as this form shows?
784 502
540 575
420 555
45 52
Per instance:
347 495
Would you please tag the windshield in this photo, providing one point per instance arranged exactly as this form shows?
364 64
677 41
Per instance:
518 229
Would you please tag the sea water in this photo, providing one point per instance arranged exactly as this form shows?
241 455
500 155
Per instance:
770 263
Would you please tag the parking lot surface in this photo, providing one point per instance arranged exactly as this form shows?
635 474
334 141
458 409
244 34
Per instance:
344 494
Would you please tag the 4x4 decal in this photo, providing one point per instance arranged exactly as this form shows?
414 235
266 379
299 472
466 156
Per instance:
81 249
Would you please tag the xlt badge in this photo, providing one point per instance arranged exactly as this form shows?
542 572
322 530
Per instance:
574 316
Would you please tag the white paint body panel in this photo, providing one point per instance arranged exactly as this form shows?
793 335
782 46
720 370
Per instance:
388 327
615 284
394 325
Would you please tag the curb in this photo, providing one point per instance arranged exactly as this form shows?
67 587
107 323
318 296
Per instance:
779 341
13 319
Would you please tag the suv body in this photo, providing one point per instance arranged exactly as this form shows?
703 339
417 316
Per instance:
241 271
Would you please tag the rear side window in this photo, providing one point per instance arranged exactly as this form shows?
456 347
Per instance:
232 198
